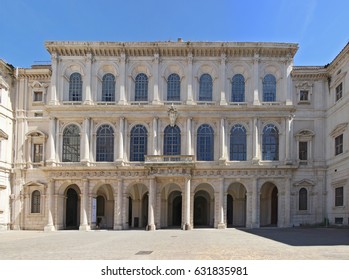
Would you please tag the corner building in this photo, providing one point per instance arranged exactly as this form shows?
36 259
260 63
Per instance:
179 134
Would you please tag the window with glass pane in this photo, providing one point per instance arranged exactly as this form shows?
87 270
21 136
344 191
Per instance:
138 145
205 143
75 87
303 151
105 143
205 89
172 140
339 91
35 207
108 88
38 155
238 88
71 144
338 144
238 143
269 88
339 196
141 87
303 199
270 147
304 95
173 88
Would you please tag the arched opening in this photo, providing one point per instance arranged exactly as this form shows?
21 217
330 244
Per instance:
236 205
105 207
230 213
72 209
175 209
145 205
269 205
202 209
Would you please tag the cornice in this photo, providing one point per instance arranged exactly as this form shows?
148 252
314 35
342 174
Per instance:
309 72
34 74
172 49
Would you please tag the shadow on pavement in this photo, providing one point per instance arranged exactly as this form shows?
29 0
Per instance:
304 236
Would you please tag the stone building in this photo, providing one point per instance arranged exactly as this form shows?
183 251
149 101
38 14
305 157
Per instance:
178 134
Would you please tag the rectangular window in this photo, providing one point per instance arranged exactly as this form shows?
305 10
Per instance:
37 96
339 196
338 144
338 221
303 151
339 91
304 95
38 155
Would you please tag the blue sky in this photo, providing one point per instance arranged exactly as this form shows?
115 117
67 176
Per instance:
321 28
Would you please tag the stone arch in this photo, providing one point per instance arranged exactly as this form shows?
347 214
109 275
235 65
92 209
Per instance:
72 202
171 199
104 207
269 204
236 205
203 212
137 206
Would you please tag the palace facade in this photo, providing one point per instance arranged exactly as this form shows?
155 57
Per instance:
173 134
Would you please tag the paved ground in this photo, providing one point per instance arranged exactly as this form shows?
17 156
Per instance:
198 244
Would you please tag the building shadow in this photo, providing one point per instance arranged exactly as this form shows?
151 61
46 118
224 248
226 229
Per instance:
304 236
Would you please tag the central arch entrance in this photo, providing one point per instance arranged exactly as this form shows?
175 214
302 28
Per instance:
236 205
203 215
269 205
175 209
72 208
137 206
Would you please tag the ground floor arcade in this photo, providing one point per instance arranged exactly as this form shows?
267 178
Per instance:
156 202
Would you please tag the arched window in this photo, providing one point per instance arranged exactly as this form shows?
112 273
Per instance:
205 143
238 88
75 87
35 205
205 89
108 88
172 140
138 145
105 143
141 88
238 142
269 88
71 144
303 199
270 148
173 88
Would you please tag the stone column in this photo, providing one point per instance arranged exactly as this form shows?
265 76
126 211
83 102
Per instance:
249 205
156 99
255 141
88 96
288 81
287 202
124 214
190 99
51 142
85 142
222 142
50 206
122 79
221 224
255 203
151 204
288 135
189 140
223 100
155 150
84 206
118 204
121 140
187 224
256 79
53 96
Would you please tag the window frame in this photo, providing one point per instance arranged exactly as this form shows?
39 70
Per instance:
141 87
138 150
267 146
172 141
35 202
339 196
205 143
238 88
173 87
269 90
108 87
105 153
205 88
240 155
338 145
75 87
75 146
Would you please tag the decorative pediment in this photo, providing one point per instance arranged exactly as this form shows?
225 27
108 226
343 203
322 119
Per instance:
37 134
34 184
37 84
304 183
3 135
304 85
339 129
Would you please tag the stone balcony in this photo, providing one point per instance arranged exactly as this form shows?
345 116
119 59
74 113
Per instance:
169 160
